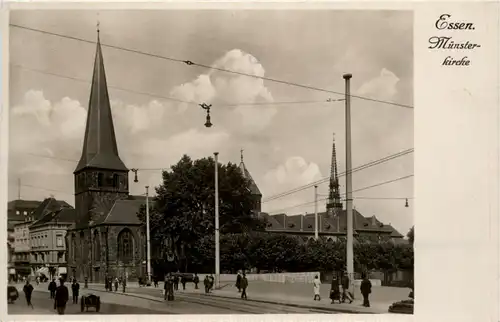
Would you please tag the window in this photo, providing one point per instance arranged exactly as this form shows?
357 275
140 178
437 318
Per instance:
115 181
59 241
100 180
73 246
125 246
97 246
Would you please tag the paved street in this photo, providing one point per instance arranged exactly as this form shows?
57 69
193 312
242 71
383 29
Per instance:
43 305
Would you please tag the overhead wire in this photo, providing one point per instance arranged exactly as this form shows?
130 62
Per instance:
326 179
343 194
191 63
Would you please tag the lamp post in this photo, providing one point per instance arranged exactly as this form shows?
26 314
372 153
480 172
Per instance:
350 228
316 233
217 246
148 240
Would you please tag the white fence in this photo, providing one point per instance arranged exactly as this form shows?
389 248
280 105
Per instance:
306 277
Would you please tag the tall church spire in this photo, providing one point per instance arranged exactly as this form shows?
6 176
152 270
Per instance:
334 204
246 174
99 147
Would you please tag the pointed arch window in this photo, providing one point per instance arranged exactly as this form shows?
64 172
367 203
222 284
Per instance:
73 246
82 236
125 246
97 246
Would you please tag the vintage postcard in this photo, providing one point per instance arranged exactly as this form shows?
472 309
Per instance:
266 160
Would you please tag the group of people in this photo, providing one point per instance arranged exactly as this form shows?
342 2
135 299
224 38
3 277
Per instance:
109 282
339 290
242 284
59 293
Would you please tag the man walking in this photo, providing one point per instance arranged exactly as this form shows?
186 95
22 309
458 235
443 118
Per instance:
366 289
238 282
116 284
28 290
124 283
62 296
317 285
345 288
196 280
52 288
75 288
244 285
206 282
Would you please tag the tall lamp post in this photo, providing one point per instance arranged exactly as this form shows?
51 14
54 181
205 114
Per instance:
217 246
350 228
148 240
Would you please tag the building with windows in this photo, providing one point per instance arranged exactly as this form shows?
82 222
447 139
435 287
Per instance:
108 239
48 241
22 248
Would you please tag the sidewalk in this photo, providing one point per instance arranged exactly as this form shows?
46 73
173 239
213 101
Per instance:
298 295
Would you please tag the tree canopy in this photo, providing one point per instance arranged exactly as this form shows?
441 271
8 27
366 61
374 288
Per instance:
411 235
184 205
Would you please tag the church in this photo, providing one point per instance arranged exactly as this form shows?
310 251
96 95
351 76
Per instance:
107 238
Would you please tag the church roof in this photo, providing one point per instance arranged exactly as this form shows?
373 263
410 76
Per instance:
99 148
246 174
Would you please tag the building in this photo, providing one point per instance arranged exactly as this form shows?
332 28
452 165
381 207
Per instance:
332 228
48 242
17 212
254 189
108 239
26 243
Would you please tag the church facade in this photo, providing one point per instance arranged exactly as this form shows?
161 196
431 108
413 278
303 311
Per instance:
107 238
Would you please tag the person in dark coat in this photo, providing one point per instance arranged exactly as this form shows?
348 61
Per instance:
124 283
28 290
176 282
62 296
183 282
169 285
116 284
211 279
75 288
345 288
366 289
238 282
244 285
52 288
196 280
206 282
155 281
166 288
335 290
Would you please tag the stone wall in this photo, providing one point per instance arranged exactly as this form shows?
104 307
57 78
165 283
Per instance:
305 277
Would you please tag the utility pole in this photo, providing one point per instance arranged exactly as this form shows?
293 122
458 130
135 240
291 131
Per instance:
350 228
217 246
148 240
316 234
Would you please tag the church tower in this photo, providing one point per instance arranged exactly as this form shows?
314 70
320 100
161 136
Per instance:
334 205
101 177
256 194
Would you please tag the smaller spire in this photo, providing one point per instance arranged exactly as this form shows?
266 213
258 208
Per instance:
241 152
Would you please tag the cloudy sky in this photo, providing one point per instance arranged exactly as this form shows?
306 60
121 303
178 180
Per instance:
287 144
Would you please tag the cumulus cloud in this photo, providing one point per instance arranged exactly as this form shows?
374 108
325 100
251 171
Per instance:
382 87
294 172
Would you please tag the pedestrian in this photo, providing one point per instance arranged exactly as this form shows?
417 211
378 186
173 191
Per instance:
345 288
62 296
366 289
37 280
116 284
211 280
244 285
86 285
176 282
183 282
335 290
28 290
155 279
206 282
124 283
238 282
75 288
106 283
196 280
317 285
52 288
165 288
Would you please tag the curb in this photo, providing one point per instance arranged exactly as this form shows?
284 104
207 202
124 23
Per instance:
302 306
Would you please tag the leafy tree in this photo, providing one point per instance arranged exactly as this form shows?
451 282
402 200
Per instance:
411 235
184 206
